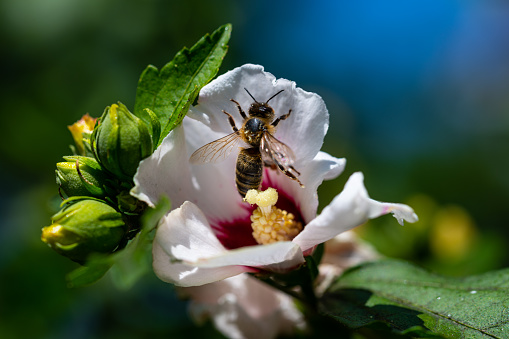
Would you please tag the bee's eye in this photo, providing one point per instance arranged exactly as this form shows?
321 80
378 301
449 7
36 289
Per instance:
266 109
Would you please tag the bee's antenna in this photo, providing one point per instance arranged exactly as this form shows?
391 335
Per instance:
273 96
250 95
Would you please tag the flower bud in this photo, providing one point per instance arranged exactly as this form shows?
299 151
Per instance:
85 227
81 131
81 176
121 141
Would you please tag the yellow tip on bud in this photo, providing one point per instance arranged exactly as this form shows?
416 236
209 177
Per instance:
84 125
50 232
80 129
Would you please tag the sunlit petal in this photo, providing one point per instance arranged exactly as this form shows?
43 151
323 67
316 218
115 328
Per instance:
277 257
322 167
349 209
187 275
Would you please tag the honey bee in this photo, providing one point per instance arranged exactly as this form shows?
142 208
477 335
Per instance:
257 131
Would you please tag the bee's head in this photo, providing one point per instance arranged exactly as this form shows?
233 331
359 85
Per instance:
261 109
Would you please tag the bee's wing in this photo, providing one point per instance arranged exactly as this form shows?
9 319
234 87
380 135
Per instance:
276 152
216 150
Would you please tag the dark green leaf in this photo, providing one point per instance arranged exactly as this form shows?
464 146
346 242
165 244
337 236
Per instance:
130 263
413 301
170 91
180 114
86 275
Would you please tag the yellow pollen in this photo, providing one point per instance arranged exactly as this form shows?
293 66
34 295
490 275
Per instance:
271 224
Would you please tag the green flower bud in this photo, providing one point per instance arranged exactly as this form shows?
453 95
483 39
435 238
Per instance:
85 227
81 176
121 141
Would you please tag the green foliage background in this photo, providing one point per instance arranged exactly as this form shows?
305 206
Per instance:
62 59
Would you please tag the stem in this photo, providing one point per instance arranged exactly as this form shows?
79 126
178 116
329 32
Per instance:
284 289
305 294
309 293
133 225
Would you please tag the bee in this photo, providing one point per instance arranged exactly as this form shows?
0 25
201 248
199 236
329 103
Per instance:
257 131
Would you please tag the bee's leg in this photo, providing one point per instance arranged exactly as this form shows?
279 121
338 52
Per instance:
294 170
270 164
242 113
290 172
283 117
232 122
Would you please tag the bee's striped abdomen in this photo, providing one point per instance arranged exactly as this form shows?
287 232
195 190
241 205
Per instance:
249 170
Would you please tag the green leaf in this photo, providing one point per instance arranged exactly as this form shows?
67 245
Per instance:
128 264
86 275
413 301
170 91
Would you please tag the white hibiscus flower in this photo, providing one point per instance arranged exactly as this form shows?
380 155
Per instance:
209 235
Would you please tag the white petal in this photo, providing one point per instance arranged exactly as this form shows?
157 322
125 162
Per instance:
184 236
186 275
349 209
276 257
166 171
322 167
188 252
303 131
243 307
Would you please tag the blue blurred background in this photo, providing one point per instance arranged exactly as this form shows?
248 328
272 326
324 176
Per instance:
418 97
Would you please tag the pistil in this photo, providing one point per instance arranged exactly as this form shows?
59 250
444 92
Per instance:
271 224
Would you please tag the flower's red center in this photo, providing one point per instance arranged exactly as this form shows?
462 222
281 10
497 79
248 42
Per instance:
238 232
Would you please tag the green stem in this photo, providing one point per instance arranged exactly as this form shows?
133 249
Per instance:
284 289
309 293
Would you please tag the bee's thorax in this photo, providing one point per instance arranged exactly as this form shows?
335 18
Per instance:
253 131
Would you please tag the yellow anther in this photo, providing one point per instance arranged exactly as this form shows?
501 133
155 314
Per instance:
267 198
251 196
264 199
269 223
